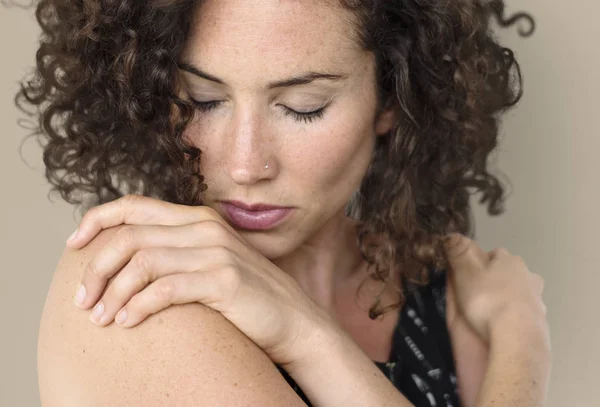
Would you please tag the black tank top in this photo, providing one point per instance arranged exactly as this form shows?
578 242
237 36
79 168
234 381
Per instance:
421 364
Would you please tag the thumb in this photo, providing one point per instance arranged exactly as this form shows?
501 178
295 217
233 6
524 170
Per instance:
464 254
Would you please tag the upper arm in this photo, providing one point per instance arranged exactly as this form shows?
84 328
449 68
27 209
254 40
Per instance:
184 355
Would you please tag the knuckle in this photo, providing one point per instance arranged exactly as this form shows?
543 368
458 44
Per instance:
541 307
198 227
90 214
130 199
142 262
475 251
165 290
129 202
213 225
539 280
230 278
520 261
208 211
455 243
125 236
119 290
501 251
224 254
215 229
92 270
501 255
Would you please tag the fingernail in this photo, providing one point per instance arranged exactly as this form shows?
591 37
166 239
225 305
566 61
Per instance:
97 312
80 296
121 317
72 237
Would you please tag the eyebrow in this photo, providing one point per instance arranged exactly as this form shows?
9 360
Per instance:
286 83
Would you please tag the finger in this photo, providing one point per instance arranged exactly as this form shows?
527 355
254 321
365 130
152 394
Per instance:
464 253
138 210
169 290
130 209
538 283
499 253
149 265
111 258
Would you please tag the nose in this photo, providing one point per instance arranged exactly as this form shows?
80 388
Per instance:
248 149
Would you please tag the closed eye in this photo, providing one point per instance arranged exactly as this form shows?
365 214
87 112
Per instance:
306 117
205 106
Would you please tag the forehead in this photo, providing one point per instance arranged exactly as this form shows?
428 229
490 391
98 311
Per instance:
265 34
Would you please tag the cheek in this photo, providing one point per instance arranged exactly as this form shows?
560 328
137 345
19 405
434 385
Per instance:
329 156
340 152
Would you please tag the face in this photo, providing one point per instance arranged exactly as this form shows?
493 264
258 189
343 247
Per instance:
316 133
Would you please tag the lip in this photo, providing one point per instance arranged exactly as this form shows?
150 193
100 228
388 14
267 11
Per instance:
254 207
263 218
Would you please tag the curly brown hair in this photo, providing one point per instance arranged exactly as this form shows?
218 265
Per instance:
110 121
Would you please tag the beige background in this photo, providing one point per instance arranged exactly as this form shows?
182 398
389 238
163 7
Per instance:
549 151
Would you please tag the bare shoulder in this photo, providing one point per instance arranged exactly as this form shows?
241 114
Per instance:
184 355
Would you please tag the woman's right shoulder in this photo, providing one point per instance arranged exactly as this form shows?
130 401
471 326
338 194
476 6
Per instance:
184 355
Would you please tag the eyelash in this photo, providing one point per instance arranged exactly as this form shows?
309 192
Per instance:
307 117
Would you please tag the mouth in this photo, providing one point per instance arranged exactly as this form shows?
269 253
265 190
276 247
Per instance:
255 217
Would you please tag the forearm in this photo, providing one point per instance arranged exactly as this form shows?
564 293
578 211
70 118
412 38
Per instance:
519 366
341 374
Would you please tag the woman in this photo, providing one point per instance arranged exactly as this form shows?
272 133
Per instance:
295 178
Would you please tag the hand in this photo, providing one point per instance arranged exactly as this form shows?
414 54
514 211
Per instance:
173 254
495 286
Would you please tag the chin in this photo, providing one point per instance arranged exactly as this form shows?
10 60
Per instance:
271 246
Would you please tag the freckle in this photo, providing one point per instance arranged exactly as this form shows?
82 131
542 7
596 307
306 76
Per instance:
235 384
84 351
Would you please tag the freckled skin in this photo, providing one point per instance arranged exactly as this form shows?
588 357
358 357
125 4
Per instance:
314 167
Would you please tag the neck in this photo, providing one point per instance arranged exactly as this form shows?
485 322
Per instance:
326 263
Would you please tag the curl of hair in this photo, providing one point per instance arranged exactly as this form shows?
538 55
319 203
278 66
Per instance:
440 66
104 93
